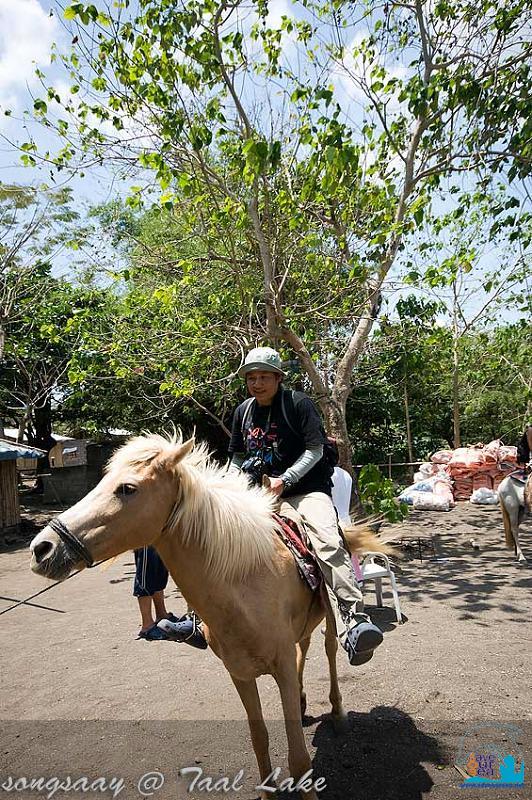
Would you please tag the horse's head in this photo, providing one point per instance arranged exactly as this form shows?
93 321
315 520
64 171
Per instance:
129 508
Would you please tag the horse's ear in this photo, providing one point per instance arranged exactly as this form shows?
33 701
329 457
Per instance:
178 453
266 482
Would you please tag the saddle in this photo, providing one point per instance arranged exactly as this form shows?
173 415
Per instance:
292 535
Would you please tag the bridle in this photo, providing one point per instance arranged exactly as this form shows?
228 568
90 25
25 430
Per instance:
71 541
76 545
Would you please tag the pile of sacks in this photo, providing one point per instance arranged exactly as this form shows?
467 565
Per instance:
467 473
477 471
431 491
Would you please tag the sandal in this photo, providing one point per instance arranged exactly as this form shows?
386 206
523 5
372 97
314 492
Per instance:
153 634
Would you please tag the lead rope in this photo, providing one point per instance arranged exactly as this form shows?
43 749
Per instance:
46 589
57 525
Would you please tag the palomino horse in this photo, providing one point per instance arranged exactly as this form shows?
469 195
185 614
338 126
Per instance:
515 497
215 535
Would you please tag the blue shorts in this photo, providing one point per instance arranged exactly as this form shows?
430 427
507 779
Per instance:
151 575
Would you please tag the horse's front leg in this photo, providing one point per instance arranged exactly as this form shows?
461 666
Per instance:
249 695
298 756
339 717
301 653
519 553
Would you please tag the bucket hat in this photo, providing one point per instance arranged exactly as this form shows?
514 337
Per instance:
262 358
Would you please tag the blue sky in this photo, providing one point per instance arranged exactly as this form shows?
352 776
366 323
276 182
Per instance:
28 29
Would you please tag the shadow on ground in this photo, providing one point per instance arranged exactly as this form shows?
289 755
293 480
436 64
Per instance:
472 570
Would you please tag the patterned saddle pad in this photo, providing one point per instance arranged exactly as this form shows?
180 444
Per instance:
520 475
294 539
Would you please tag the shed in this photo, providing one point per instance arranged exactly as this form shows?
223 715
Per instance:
9 500
73 480
69 453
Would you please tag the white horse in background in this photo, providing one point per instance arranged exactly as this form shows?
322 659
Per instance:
514 498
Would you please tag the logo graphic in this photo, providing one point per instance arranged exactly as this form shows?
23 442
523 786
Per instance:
490 756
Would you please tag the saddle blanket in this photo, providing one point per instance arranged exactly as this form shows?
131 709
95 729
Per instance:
292 536
520 475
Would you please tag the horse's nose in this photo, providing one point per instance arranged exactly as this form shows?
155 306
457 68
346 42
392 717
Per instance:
42 550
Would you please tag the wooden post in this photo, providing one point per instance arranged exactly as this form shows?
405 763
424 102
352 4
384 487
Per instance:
9 502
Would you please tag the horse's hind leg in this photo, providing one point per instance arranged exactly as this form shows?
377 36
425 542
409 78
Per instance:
512 515
331 647
259 733
301 652
518 552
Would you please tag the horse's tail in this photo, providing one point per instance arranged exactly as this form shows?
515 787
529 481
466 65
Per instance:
508 535
361 539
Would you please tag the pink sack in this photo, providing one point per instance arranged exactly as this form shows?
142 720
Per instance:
497 480
467 457
441 456
492 450
481 480
463 488
443 490
508 453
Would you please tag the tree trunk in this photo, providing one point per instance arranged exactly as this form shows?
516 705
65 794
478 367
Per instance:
42 416
23 422
408 429
456 379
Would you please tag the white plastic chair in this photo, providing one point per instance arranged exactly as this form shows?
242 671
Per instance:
373 571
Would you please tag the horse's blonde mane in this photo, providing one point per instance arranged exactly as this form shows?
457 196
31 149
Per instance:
215 508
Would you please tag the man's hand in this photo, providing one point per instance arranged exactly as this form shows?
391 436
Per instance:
274 485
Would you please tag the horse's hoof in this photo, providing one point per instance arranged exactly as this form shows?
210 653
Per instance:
271 794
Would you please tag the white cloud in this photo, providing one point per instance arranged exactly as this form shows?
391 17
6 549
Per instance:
26 36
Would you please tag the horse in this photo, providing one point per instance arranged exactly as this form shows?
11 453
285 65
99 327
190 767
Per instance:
216 536
515 498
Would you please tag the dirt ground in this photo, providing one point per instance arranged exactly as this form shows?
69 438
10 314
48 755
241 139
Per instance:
82 697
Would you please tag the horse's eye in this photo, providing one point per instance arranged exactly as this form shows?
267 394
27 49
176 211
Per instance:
126 488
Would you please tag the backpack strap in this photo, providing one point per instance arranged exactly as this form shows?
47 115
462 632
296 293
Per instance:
246 413
284 393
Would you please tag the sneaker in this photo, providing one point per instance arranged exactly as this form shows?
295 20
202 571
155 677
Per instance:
360 642
186 629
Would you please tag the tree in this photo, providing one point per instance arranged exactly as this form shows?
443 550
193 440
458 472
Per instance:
41 336
496 399
476 263
32 229
312 203
400 407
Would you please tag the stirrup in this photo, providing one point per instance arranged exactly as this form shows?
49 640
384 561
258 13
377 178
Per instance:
186 630
360 642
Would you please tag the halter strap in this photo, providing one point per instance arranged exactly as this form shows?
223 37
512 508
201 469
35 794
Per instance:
75 544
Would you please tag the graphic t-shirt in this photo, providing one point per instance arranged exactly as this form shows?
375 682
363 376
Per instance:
267 434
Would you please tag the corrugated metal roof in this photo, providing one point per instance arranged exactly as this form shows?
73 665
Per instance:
10 450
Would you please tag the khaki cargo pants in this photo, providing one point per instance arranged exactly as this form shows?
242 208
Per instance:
318 514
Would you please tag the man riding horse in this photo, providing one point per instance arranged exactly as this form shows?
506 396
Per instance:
265 441
524 448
